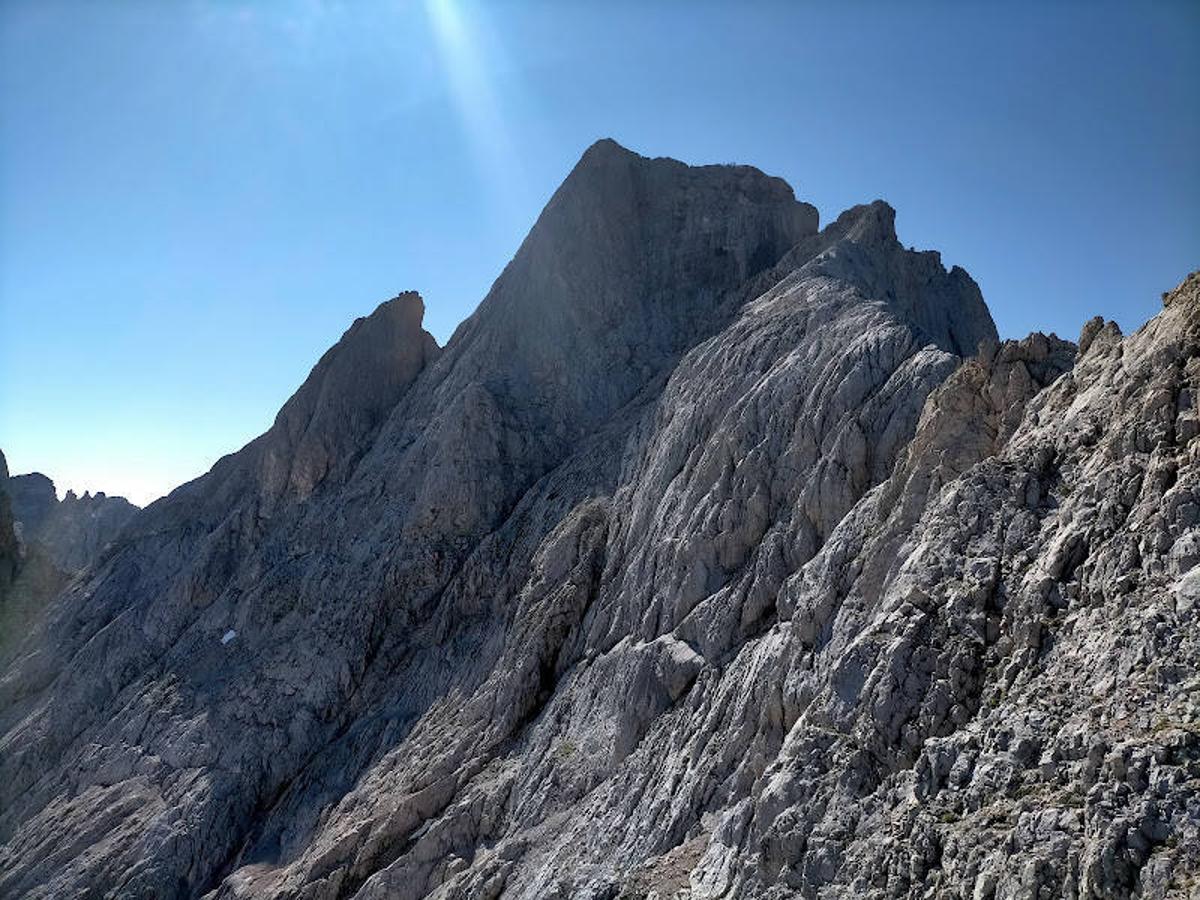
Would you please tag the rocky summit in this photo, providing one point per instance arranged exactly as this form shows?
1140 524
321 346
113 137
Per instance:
716 555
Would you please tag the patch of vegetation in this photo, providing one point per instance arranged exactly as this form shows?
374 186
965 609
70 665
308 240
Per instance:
564 750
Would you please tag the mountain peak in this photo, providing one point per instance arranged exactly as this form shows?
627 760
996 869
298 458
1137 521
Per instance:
697 492
861 247
606 157
630 262
71 532
868 222
607 148
348 394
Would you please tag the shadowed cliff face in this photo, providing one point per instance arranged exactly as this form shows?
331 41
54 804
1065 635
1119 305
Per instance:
9 549
71 532
615 590
45 541
349 393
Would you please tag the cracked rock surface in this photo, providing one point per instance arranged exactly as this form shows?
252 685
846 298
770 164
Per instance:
714 556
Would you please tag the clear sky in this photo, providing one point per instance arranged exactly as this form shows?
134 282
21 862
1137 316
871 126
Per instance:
196 198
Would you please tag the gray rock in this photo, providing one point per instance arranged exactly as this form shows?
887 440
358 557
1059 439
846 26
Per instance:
43 542
34 499
71 532
9 547
698 564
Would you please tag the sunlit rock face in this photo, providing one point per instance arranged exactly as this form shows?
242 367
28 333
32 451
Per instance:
715 555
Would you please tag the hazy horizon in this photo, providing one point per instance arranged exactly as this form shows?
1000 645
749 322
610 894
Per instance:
197 200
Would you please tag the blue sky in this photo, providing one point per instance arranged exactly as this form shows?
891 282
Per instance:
196 198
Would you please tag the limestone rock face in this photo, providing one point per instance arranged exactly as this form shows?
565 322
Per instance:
346 397
72 532
35 498
45 541
716 555
9 548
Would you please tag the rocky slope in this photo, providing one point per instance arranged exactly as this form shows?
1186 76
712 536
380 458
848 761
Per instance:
714 556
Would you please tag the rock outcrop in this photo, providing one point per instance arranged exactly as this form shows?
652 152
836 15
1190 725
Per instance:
45 541
716 555
10 551
72 532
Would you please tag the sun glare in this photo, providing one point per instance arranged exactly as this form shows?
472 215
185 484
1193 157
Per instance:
468 71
